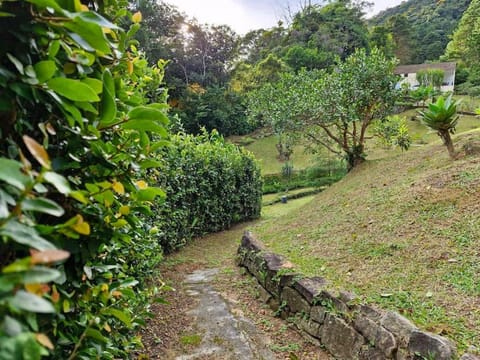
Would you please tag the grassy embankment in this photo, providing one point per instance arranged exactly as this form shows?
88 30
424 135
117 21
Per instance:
402 231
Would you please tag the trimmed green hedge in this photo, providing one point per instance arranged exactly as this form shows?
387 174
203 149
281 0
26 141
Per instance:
316 176
210 185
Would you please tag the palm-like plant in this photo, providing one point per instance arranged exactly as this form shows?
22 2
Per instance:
442 117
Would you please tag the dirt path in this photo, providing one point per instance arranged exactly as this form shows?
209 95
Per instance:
214 312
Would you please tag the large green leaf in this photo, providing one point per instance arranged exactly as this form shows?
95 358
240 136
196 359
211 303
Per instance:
72 89
145 125
149 194
43 205
91 33
11 326
10 172
25 235
30 302
120 315
95 84
148 113
108 111
47 3
45 70
57 180
40 275
92 17
95 334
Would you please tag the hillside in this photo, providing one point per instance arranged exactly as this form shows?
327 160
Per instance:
430 24
401 232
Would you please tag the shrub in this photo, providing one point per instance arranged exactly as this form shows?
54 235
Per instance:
75 255
322 174
210 185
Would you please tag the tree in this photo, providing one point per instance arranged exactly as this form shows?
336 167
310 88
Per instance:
333 109
465 44
405 44
431 77
336 29
442 117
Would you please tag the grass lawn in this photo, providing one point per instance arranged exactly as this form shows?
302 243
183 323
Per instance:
402 232
265 151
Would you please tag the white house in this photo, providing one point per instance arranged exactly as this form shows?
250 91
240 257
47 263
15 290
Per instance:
409 74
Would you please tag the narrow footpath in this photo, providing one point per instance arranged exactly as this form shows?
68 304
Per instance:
214 311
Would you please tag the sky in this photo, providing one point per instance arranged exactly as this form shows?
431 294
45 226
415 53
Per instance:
245 15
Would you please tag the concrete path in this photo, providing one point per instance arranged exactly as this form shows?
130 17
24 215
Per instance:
224 335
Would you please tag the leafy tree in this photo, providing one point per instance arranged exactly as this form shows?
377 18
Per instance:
429 25
442 117
405 43
332 109
247 77
381 37
213 108
431 77
465 44
336 29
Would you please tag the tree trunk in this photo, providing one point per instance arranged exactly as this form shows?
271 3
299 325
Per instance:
447 140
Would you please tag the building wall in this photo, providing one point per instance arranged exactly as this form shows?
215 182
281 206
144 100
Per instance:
448 81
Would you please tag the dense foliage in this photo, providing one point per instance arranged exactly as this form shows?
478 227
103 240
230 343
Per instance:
464 49
77 117
421 29
210 185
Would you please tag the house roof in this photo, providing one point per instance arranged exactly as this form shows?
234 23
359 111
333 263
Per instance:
413 69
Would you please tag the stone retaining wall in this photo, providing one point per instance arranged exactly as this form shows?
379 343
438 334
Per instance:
347 330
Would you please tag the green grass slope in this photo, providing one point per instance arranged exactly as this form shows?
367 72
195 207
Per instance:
402 232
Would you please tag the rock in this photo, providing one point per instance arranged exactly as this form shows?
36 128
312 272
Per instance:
310 287
469 357
371 354
250 243
309 326
326 298
383 340
366 327
403 355
427 344
341 339
273 304
263 295
318 313
346 297
472 147
370 312
399 326
295 302
276 262
279 272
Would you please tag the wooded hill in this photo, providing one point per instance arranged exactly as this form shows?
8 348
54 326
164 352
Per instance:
423 27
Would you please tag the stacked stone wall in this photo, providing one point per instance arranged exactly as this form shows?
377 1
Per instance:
348 330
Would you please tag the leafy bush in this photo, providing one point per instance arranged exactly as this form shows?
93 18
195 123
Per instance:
392 132
322 174
75 255
210 185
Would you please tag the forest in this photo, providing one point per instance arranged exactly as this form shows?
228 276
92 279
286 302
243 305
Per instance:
120 123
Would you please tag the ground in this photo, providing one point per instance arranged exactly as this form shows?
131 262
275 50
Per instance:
402 232
174 332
